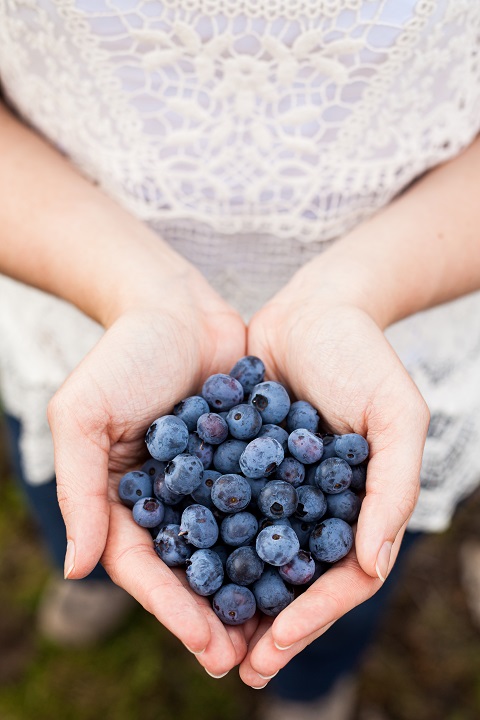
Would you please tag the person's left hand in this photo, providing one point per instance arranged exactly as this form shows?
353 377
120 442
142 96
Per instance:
334 355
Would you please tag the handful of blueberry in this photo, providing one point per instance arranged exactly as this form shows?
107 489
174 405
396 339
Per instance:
244 492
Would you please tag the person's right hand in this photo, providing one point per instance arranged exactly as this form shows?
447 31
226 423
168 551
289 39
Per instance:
152 356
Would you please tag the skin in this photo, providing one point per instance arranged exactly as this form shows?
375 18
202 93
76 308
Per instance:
322 336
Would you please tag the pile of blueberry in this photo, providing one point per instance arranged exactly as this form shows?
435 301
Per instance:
245 492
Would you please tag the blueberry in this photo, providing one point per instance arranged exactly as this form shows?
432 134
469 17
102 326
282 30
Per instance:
359 477
329 445
133 486
212 428
302 530
203 494
271 593
256 485
222 392
351 447
265 522
231 493
204 572
244 422
166 437
170 547
261 457
277 500
305 446
162 492
275 432
148 512
344 505
271 400
199 526
277 545
302 415
190 409
172 516
299 570
234 604
310 471
154 468
333 475
312 504
292 471
227 456
184 474
198 447
249 371
223 552
239 529
331 540
244 566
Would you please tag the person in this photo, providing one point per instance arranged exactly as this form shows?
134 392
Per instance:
171 169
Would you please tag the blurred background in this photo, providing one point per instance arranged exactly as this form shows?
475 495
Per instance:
425 664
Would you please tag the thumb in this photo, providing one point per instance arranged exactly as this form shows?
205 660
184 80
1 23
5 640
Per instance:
81 466
393 484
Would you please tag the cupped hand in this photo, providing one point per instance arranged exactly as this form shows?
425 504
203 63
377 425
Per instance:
335 356
153 355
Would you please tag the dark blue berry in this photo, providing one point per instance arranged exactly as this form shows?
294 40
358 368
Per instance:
244 422
239 529
271 400
154 468
199 526
223 552
268 522
133 486
203 494
222 392
299 570
277 500
276 545
302 415
184 474
227 456
231 493
292 471
198 447
190 409
302 530
305 446
163 493
329 446
333 475
148 512
271 593
345 505
234 604
166 437
275 432
331 540
249 371
170 547
312 504
261 457
212 428
359 477
351 447
204 572
244 566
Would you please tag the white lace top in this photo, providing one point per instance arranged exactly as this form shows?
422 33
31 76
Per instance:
250 134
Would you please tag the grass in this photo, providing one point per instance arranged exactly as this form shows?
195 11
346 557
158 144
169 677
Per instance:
424 666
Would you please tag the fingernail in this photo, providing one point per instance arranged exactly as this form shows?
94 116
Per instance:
383 560
69 559
268 677
217 677
286 647
196 652
261 686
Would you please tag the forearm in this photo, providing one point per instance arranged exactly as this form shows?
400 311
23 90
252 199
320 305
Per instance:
60 233
421 250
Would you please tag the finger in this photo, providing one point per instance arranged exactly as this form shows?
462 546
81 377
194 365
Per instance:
81 466
393 484
132 563
265 660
